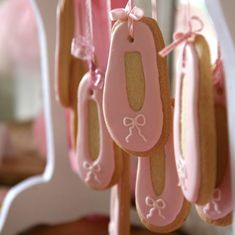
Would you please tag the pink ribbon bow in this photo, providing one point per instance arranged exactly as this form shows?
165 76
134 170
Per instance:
96 77
124 13
128 13
82 48
182 37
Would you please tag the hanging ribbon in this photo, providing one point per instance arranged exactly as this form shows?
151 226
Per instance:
183 37
130 12
83 48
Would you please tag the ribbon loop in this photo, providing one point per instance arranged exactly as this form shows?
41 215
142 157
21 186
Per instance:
96 76
129 13
134 13
180 37
82 48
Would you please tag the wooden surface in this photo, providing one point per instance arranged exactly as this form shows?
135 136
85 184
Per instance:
90 226
15 169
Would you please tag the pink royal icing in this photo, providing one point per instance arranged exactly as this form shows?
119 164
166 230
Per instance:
221 203
188 163
134 131
159 210
97 174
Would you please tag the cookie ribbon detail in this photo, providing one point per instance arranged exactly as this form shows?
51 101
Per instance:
158 205
137 122
92 170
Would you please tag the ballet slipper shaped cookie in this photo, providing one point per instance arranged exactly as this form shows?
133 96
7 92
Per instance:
99 159
194 123
219 209
159 200
137 100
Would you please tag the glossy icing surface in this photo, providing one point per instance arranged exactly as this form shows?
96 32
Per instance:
97 174
159 210
133 131
186 126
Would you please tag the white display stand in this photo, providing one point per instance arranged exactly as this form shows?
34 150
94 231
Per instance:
58 195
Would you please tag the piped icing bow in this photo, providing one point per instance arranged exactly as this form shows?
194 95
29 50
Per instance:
158 205
92 170
82 48
136 122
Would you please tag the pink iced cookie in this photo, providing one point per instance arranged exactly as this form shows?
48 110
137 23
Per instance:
219 209
136 94
194 123
166 209
99 159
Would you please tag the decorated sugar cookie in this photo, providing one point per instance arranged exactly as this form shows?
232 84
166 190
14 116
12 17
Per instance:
73 25
136 93
218 210
160 202
194 122
99 159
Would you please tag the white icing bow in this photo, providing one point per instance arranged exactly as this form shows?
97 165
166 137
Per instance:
92 170
158 205
137 122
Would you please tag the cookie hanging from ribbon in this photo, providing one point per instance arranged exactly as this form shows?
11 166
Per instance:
194 122
218 210
99 159
137 104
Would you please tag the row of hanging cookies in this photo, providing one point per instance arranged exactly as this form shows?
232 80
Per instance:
117 91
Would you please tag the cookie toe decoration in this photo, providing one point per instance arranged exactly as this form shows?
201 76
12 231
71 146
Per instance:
136 93
154 190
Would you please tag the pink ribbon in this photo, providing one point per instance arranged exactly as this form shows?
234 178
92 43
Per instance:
182 37
96 77
82 48
128 13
